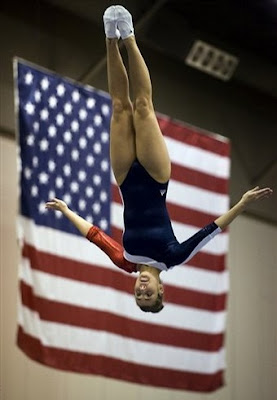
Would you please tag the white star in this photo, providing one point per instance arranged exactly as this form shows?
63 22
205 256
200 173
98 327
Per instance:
74 186
37 96
51 194
103 224
60 119
82 175
51 165
27 173
75 96
52 130
30 140
104 165
90 132
83 143
90 160
35 161
68 108
75 154
105 109
90 103
34 191
44 83
67 170
75 125
44 144
58 214
36 126
83 114
29 78
67 136
82 204
89 191
43 178
103 196
97 147
44 114
60 149
53 102
96 180
96 208
89 219
30 108
59 182
104 137
67 198
97 120
41 208
60 89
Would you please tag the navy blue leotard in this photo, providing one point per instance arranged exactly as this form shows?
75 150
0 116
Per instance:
148 237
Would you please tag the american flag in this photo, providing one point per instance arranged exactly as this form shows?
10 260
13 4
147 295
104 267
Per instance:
76 310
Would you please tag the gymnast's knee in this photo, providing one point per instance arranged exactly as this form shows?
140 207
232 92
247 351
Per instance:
143 106
121 107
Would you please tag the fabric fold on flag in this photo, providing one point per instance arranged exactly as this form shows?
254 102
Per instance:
77 310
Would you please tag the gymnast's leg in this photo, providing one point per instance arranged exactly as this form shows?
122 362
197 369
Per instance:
150 145
122 133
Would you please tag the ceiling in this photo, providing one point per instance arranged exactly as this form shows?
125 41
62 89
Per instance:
246 29
248 24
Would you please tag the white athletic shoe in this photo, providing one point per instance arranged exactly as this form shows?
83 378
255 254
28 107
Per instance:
110 23
124 22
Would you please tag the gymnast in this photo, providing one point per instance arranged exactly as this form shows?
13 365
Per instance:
142 168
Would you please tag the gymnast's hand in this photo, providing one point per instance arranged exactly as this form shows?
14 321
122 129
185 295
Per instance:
250 196
57 204
255 194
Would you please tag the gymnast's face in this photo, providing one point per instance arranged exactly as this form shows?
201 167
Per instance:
147 288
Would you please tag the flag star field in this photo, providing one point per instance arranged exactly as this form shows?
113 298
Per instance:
65 148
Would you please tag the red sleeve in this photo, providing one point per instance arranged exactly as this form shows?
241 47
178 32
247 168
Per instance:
113 249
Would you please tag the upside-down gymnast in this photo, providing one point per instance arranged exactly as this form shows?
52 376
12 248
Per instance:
141 166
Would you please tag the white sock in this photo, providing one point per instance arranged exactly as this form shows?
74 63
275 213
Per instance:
124 22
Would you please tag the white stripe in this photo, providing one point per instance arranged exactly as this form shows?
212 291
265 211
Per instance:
198 159
139 352
198 199
111 300
217 246
63 244
198 279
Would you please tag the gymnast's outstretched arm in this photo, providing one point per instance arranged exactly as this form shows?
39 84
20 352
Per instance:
250 196
183 252
95 235
80 223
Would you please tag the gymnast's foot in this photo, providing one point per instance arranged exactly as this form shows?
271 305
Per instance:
124 22
110 23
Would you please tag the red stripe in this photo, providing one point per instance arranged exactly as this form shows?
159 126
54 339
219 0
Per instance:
199 179
177 213
181 214
113 368
189 216
53 311
116 195
192 136
202 260
89 273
